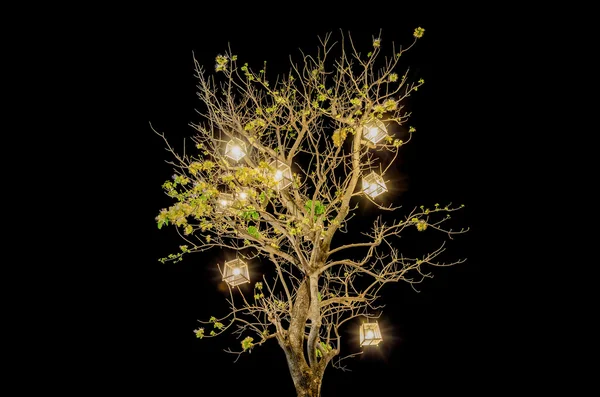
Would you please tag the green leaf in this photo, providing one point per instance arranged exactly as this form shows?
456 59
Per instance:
253 231
319 208
247 343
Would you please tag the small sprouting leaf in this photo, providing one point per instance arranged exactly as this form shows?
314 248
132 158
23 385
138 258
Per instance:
199 333
319 207
418 33
253 231
247 343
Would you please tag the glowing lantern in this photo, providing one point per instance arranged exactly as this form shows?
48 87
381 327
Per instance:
236 272
283 174
370 334
374 131
244 194
373 185
235 149
224 200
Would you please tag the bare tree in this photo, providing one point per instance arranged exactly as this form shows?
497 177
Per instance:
278 170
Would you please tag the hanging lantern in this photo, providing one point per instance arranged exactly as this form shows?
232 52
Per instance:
373 185
244 194
283 174
224 201
370 334
374 131
235 149
236 272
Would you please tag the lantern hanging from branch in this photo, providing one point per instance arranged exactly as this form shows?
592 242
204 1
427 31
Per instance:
224 201
373 185
236 272
244 194
370 334
282 174
374 131
235 149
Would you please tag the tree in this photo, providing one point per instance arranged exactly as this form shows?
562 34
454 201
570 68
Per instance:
278 170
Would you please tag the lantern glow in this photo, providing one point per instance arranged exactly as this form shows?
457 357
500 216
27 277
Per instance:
375 131
236 272
235 149
370 334
244 194
282 174
224 200
373 185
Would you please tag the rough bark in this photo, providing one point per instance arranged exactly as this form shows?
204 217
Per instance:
307 378
307 381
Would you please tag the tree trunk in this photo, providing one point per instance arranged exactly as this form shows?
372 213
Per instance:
307 381
308 386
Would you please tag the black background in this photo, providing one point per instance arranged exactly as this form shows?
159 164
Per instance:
450 337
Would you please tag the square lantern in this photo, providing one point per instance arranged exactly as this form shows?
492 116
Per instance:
374 131
370 334
244 194
224 201
235 149
373 185
283 174
236 272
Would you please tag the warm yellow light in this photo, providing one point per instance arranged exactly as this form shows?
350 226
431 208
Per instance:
278 175
372 133
236 272
243 196
375 131
236 151
370 334
373 185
